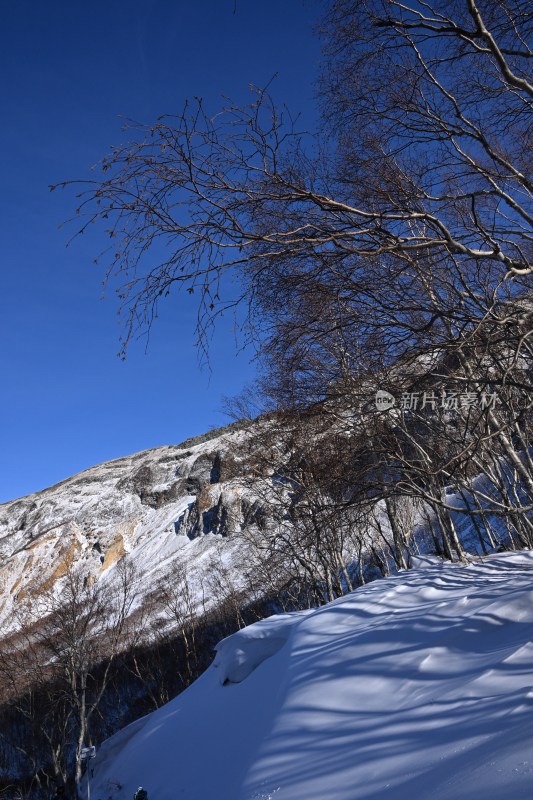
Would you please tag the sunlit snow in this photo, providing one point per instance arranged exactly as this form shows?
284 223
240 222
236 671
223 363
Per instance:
418 686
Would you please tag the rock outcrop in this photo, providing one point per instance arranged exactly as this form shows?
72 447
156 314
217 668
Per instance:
175 505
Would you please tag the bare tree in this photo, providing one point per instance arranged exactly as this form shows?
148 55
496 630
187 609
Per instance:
400 232
306 482
429 163
64 656
184 606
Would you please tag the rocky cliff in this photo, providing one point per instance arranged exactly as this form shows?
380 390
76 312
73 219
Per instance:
161 510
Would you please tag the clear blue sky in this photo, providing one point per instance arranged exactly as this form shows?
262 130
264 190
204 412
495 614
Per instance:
68 71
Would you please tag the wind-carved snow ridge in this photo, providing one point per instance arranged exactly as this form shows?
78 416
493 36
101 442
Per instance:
239 654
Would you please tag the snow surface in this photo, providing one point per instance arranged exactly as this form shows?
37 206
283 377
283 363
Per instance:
418 686
238 655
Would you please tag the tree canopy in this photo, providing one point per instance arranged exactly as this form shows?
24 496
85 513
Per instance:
419 180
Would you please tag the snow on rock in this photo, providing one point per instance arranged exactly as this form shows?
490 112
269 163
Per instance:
142 509
416 686
239 654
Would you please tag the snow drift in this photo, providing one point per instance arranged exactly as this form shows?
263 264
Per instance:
418 686
239 654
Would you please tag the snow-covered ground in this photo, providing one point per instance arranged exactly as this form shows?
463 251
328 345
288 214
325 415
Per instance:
419 686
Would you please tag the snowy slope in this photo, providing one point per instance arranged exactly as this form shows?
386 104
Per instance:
156 510
418 686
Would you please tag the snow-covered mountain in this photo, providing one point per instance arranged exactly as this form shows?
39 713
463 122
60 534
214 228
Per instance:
417 686
157 510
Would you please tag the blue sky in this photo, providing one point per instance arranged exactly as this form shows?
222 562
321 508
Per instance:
69 71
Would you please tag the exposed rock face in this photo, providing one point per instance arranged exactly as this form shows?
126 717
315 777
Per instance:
156 508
